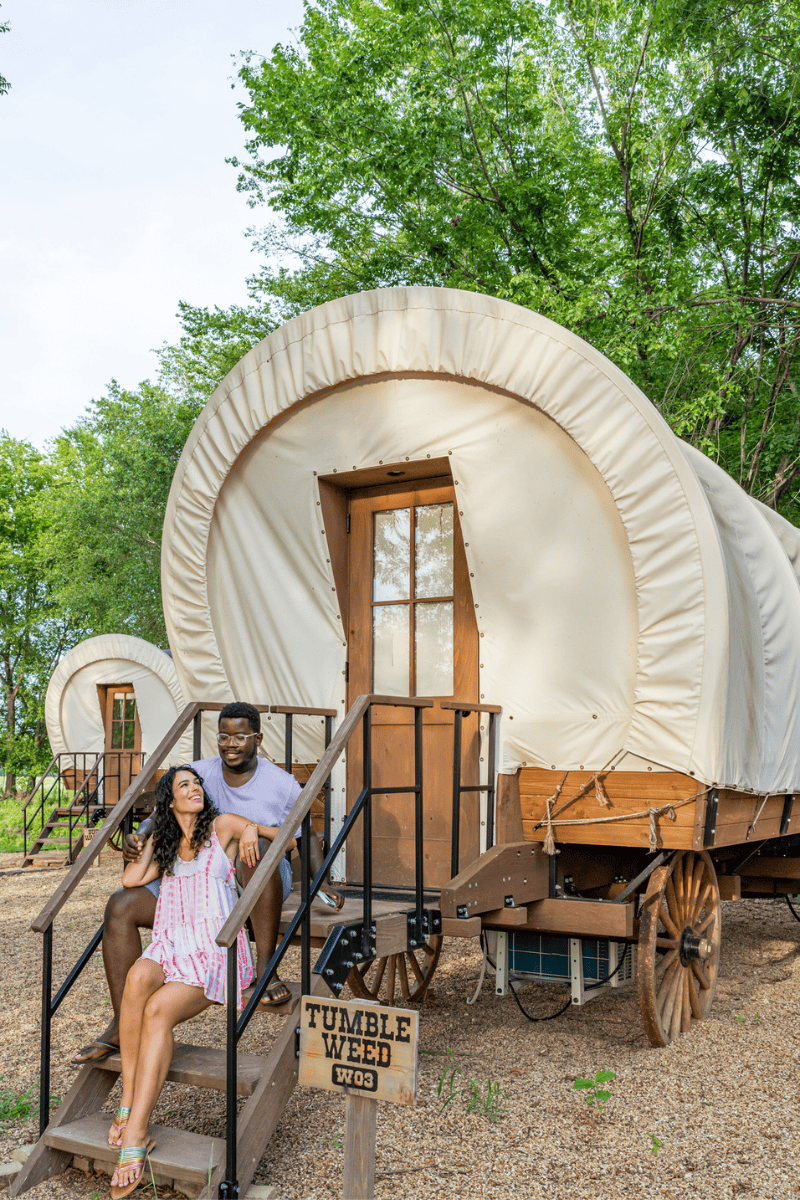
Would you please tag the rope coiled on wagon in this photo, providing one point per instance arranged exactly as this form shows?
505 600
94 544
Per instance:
651 813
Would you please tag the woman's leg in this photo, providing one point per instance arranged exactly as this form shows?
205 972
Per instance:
144 980
166 1007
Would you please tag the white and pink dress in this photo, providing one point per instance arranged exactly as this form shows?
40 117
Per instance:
193 905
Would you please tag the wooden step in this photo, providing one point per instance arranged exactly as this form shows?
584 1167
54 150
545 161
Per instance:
185 1158
204 1066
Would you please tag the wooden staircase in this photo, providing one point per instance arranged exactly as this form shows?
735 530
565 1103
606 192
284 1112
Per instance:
52 847
191 1163
194 1164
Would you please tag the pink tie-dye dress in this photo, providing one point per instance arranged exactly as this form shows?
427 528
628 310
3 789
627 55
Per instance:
193 905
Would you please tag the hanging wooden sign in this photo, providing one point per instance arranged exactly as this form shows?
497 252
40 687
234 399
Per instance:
360 1048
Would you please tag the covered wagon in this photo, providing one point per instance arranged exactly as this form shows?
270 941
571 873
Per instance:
107 705
435 494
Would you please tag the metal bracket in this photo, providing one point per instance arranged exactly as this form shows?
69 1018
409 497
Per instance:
341 953
640 878
431 924
228 1190
786 815
297 1041
552 888
712 802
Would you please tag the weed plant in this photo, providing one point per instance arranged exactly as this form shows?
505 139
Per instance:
454 1085
594 1093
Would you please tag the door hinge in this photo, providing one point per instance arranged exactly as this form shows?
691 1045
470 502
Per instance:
348 522
347 672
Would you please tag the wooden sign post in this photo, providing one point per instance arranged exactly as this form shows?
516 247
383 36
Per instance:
368 1052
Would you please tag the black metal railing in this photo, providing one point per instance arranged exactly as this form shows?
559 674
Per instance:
359 715
85 784
358 718
460 712
118 817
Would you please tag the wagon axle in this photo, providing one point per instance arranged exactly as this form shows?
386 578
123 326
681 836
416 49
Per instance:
694 946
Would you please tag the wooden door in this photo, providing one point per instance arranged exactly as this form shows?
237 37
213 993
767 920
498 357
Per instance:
412 632
123 740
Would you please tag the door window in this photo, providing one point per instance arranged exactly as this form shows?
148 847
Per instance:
123 721
412 601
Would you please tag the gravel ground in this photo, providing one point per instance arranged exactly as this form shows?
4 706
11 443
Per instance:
723 1100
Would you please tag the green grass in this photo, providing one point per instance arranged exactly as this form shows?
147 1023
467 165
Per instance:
11 819
18 1106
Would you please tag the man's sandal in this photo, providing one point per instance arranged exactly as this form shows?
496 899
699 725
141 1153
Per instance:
118 1126
95 1052
333 900
277 994
130 1158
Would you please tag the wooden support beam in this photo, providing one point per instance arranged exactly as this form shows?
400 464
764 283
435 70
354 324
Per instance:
391 934
582 918
520 870
88 1093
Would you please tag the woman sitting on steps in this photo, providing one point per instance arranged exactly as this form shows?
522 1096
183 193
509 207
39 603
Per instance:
183 971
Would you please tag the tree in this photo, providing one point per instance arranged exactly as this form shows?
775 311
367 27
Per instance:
112 475
628 170
33 634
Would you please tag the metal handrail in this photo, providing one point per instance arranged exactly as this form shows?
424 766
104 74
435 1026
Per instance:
56 783
43 923
300 815
462 710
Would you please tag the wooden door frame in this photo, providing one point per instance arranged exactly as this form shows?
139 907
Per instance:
104 691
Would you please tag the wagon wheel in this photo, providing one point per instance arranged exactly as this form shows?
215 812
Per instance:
679 939
413 969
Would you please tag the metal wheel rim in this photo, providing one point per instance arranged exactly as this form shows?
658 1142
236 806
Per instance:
682 902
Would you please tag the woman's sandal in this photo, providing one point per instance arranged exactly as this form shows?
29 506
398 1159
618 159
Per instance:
120 1121
130 1157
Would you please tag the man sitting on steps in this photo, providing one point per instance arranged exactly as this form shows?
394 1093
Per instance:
239 782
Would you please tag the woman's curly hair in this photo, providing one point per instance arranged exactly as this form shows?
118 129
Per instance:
167 832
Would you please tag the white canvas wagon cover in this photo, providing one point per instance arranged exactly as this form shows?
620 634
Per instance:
634 605
72 706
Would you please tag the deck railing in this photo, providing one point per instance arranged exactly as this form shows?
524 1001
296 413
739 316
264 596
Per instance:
78 781
460 712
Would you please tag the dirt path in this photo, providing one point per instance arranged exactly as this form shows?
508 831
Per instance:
723 1100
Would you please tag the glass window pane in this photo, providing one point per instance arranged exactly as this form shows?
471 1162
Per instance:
116 736
434 648
390 650
130 733
392 555
117 709
433 543
130 709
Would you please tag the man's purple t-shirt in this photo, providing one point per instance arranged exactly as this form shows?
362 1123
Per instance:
266 798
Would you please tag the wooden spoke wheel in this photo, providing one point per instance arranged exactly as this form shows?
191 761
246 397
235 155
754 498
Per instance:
411 971
679 940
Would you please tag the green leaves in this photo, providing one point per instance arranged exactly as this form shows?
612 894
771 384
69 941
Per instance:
593 1092
626 170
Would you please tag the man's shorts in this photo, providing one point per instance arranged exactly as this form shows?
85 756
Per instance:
284 869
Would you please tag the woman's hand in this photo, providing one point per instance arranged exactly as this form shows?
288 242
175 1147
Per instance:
248 845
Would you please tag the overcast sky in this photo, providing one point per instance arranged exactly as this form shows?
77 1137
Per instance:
115 198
